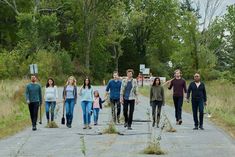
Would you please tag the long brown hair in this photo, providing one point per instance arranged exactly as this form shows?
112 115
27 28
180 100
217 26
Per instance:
154 82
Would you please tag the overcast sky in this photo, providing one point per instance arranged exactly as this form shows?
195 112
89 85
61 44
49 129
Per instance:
221 10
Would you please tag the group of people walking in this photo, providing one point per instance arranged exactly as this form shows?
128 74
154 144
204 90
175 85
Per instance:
121 93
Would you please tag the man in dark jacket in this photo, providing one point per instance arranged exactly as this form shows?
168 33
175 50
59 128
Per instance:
198 100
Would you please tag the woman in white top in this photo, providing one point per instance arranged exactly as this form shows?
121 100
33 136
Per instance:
51 95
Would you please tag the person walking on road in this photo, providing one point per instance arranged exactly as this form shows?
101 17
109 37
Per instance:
70 99
97 106
199 99
86 93
51 95
157 99
33 96
179 88
114 86
128 97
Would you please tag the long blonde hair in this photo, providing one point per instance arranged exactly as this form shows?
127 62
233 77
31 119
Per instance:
71 78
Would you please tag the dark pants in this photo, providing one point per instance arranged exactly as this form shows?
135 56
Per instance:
158 105
33 109
50 107
178 102
198 104
115 103
128 116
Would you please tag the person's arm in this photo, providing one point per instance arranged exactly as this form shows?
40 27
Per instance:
171 85
101 102
27 94
204 93
189 91
40 95
151 94
122 91
163 96
63 93
107 89
92 94
136 91
75 94
80 91
56 92
185 88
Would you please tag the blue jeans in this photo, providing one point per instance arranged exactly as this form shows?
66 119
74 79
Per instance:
198 104
86 109
69 105
50 107
96 114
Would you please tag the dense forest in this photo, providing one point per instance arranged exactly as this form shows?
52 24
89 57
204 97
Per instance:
94 37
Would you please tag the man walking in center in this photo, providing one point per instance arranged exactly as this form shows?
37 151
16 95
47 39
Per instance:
114 86
198 100
33 96
179 88
128 97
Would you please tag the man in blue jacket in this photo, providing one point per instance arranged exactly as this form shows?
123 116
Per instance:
114 86
33 94
198 100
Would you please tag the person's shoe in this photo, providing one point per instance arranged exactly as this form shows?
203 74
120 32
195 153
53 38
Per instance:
89 127
180 122
125 125
95 123
85 127
34 128
196 128
157 125
201 127
129 128
69 126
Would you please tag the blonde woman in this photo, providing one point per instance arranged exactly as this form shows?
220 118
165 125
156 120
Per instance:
70 98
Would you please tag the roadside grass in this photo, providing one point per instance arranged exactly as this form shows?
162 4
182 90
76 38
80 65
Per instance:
14 115
221 103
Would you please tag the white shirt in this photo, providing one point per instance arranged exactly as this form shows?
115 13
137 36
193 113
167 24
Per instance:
197 84
51 93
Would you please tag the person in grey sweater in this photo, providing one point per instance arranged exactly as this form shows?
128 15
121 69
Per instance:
157 99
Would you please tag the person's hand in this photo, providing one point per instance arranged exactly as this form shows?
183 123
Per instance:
187 100
137 101
205 103
121 101
28 102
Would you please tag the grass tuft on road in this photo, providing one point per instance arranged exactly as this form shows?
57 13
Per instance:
111 129
153 149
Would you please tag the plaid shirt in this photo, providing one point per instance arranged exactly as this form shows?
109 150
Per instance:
134 90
